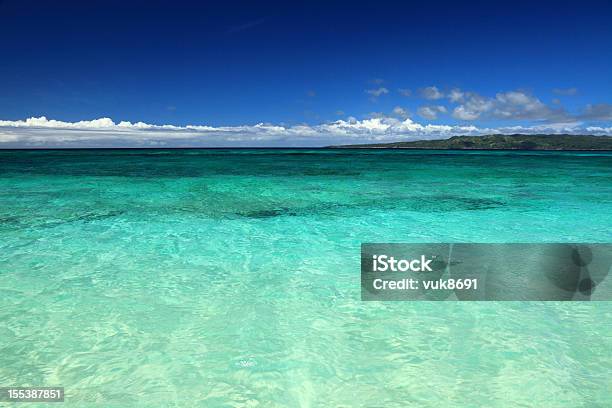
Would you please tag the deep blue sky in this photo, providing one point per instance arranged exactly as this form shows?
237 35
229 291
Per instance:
232 63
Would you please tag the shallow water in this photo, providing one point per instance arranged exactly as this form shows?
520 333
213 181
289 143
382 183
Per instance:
231 278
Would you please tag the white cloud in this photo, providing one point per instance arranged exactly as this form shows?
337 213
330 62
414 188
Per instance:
377 92
463 113
431 112
566 91
43 132
600 111
512 105
597 130
519 105
404 91
455 95
472 107
432 92
401 112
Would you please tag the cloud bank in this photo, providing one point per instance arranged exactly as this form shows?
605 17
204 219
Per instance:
517 105
431 92
104 132
511 105
431 112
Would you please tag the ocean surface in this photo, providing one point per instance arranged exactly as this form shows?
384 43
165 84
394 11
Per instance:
230 278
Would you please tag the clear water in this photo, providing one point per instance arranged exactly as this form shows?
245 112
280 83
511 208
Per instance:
231 278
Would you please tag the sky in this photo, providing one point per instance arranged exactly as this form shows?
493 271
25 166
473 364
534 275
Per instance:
161 73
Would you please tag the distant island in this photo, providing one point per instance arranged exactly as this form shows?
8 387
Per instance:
500 142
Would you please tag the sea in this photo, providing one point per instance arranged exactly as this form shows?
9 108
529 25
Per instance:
231 278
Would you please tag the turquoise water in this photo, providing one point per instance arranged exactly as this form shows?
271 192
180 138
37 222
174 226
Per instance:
231 278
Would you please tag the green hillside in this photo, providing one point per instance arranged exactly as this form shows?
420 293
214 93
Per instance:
492 142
